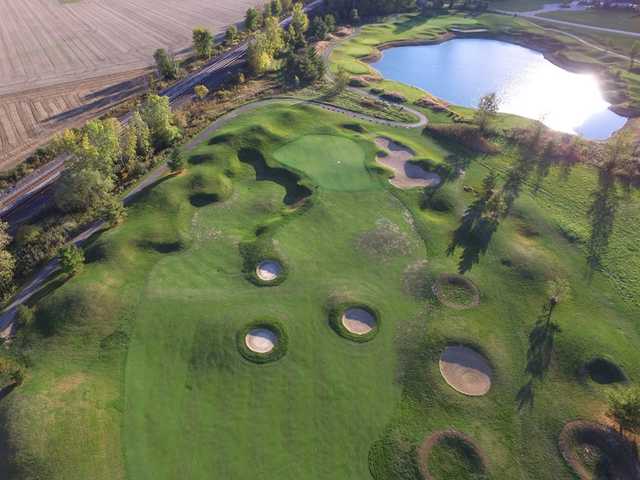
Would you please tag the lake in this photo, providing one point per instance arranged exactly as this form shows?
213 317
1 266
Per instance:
460 71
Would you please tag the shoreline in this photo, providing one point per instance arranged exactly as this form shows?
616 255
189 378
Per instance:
552 55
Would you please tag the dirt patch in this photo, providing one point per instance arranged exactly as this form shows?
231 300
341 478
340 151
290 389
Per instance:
268 270
597 451
458 443
466 370
407 174
70 382
456 291
384 240
261 340
358 321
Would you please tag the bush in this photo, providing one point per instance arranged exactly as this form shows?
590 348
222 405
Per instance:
463 134
279 350
358 82
394 97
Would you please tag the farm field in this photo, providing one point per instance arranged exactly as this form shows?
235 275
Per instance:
58 58
137 365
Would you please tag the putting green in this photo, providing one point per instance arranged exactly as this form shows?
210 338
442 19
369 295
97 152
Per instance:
332 162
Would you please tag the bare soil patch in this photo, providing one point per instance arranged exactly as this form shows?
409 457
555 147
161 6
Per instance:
459 444
466 370
358 321
384 240
261 340
407 174
268 270
594 450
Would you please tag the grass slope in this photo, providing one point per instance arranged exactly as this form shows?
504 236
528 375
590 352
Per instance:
135 371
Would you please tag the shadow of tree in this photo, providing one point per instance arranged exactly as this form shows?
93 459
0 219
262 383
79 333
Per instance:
477 226
601 213
539 353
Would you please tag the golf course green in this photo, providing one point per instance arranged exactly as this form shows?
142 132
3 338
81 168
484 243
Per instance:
138 367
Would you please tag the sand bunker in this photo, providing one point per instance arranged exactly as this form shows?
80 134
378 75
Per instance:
407 174
358 321
261 340
465 370
268 271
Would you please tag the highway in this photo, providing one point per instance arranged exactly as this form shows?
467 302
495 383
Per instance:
33 193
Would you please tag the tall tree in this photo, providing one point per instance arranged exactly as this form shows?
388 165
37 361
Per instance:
252 20
276 8
71 260
7 263
299 19
258 54
318 28
633 54
274 36
166 64
487 109
231 35
156 112
202 42
143 135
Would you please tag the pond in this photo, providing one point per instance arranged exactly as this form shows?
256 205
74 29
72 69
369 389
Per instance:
460 71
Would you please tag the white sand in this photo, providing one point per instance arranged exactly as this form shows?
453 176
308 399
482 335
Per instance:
268 270
406 173
358 321
465 370
261 340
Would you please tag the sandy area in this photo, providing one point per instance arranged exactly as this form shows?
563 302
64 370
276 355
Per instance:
268 270
358 321
261 340
465 370
406 173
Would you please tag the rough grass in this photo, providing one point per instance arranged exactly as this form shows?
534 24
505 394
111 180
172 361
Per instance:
626 20
137 373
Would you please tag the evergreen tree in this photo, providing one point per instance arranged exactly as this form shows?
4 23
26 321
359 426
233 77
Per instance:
202 42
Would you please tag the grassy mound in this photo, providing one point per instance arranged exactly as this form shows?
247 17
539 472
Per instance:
260 250
451 454
456 291
280 346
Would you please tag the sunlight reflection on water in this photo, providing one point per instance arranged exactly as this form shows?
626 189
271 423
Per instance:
462 70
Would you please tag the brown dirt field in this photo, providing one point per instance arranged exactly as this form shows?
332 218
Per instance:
30 118
62 62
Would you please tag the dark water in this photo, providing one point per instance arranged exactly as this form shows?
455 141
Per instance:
460 71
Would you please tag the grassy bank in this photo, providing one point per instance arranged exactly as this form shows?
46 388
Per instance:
134 365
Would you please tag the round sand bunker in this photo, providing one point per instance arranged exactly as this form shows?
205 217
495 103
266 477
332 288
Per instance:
261 340
268 270
358 321
466 370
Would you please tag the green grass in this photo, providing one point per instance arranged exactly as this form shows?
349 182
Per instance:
332 162
134 364
517 5
616 19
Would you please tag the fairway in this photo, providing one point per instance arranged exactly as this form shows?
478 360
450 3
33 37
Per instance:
332 162
168 358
